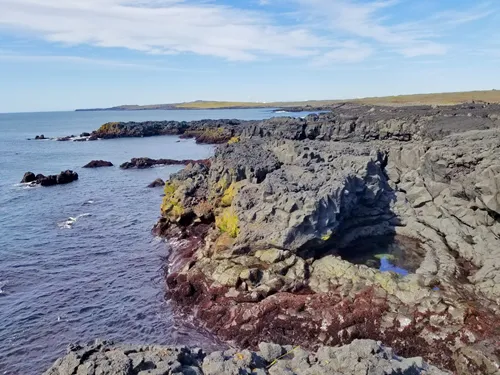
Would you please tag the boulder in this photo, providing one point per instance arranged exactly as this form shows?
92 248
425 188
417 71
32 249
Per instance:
98 164
40 137
28 177
157 183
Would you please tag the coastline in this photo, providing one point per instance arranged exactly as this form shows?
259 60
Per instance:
264 227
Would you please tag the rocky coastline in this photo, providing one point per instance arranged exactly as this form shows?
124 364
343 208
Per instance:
143 163
286 235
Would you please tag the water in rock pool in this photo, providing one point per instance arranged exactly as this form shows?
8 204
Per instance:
387 253
78 261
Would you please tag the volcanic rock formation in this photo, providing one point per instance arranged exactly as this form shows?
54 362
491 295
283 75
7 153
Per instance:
262 238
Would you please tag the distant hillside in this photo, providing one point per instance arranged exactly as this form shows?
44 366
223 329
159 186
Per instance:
491 96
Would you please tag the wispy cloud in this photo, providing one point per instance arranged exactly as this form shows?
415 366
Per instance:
347 52
8 56
372 21
157 26
328 31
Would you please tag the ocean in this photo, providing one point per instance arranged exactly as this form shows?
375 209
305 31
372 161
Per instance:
100 277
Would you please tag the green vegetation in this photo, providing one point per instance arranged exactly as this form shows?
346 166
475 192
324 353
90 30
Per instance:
491 96
228 222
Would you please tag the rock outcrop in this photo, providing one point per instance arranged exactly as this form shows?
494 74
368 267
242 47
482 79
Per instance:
360 357
204 131
98 164
62 178
266 239
143 163
157 183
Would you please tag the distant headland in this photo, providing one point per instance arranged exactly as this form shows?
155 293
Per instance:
450 98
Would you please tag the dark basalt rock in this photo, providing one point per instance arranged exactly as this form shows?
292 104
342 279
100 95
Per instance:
143 163
157 183
85 134
62 178
40 137
28 177
98 164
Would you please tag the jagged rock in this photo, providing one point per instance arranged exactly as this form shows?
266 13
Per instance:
40 137
360 357
98 164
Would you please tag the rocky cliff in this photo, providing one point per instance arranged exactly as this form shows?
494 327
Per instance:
275 240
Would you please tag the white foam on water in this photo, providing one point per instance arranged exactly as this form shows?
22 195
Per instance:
68 224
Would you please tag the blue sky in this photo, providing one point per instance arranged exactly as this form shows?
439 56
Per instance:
61 55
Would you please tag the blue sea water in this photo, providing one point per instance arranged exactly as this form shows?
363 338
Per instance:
101 276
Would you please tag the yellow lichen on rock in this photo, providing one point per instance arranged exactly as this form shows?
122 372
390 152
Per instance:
228 222
234 140
228 196
109 127
171 205
326 236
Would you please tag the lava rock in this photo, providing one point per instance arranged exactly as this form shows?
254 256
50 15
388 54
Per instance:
62 178
157 183
28 177
98 164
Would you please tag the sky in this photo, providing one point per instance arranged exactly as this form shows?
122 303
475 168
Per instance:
68 54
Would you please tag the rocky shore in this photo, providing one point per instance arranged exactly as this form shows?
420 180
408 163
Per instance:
142 163
273 241
360 357
369 223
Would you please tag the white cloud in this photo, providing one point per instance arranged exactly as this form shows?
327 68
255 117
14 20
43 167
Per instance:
7 56
334 31
159 26
365 20
347 52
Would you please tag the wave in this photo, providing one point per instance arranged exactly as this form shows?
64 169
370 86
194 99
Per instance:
68 224
3 284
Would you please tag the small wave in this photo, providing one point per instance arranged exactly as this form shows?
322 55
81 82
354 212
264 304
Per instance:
68 224
27 185
281 112
88 202
3 284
